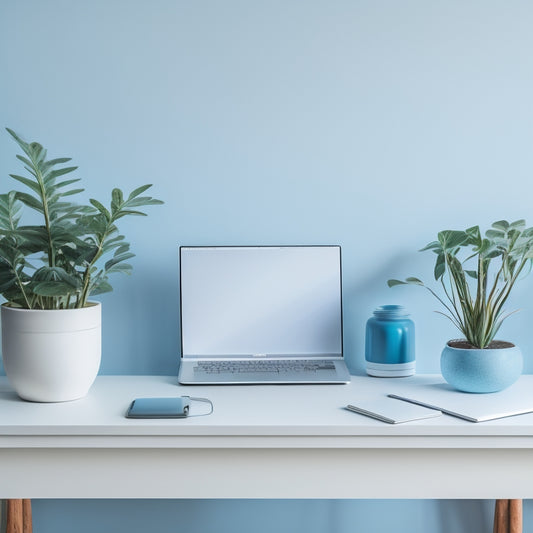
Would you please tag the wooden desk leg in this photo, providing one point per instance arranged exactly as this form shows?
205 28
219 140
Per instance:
515 516
508 516
27 523
501 511
19 519
14 516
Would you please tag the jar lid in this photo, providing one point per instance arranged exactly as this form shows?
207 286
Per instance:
391 311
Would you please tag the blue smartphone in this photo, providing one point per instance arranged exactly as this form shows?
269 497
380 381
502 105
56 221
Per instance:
159 408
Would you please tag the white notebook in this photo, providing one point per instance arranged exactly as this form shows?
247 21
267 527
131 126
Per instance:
515 400
391 410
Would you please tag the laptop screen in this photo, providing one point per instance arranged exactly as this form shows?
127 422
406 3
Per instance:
259 301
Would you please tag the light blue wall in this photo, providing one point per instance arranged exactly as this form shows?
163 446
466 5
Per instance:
369 124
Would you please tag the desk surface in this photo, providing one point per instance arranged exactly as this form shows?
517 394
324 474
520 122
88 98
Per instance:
260 441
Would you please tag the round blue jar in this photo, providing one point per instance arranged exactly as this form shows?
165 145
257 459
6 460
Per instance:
390 343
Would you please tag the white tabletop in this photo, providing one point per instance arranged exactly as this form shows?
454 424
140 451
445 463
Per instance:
295 412
256 436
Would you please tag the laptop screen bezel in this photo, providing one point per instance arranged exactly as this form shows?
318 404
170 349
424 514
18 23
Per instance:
185 357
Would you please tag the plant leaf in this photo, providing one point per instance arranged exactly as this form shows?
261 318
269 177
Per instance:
502 225
408 281
28 182
451 239
124 268
30 201
53 174
394 282
101 208
117 259
101 288
52 288
440 266
138 190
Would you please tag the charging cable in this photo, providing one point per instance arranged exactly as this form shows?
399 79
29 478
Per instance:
203 400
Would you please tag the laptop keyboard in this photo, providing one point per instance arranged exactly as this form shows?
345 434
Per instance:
277 366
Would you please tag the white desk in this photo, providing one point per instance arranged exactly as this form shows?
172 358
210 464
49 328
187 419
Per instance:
260 442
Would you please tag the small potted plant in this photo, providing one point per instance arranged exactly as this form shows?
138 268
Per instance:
476 275
51 331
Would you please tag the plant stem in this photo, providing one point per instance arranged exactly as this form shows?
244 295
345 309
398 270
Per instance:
507 288
87 273
21 287
46 214
455 317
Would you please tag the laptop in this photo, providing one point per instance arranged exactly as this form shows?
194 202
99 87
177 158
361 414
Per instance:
261 314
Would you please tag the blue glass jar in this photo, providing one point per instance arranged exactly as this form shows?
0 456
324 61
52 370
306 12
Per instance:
390 343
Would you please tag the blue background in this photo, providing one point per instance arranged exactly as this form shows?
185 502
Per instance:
369 124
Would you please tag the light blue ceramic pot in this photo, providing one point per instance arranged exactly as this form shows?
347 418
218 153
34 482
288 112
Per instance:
481 370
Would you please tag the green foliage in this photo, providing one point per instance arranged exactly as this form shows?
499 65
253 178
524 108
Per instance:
474 299
72 242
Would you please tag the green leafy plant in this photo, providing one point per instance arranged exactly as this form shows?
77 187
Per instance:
72 241
474 296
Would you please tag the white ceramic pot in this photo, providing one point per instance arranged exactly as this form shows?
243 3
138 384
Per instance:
51 355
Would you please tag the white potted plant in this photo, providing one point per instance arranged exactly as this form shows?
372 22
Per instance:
51 332
476 275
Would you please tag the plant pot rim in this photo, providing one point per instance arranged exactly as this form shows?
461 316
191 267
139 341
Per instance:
8 305
463 344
